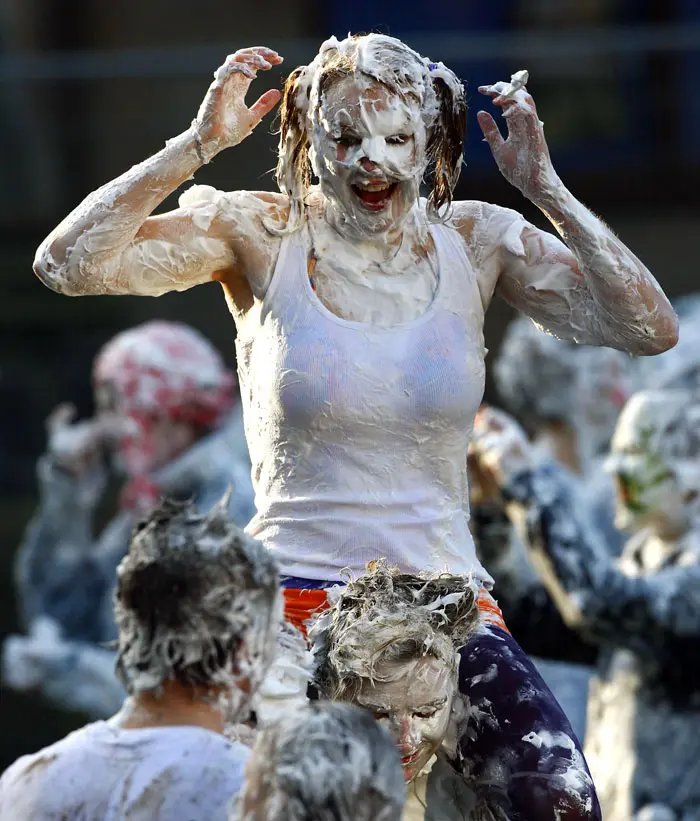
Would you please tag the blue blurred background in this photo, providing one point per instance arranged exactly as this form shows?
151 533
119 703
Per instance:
88 88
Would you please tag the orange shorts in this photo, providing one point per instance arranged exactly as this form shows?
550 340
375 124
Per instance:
300 605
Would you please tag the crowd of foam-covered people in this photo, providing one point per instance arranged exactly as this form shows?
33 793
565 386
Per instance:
212 685
342 589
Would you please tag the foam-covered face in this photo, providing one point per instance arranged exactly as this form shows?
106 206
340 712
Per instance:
648 491
368 150
141 443
413 699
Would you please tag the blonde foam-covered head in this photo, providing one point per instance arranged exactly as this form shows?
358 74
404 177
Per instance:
389 616
432 91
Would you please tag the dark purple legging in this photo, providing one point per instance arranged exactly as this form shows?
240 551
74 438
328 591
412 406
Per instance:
517 749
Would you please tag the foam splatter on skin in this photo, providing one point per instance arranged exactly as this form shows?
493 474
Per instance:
643 611
593 291
365 142
324 756
198 603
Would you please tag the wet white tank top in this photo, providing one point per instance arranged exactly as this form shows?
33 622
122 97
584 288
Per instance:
358 434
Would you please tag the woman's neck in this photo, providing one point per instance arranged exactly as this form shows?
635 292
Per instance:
173 706
380 247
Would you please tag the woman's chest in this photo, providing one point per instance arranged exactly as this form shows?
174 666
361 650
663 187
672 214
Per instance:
374 296
427 373
360 285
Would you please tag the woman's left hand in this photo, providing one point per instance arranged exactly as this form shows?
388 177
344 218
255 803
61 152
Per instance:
522 158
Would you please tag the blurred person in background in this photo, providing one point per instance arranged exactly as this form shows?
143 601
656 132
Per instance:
642 610
197 605
568 398
325 761
169 423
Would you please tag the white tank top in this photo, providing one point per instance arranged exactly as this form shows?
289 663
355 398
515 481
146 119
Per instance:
358 434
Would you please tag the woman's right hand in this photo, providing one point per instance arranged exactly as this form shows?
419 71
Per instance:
224 119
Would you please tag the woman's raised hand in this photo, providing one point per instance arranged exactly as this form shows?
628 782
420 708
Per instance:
522 158
224 119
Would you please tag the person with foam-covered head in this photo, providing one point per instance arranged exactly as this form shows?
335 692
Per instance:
197 604
167 422
642 610
323 762
478 735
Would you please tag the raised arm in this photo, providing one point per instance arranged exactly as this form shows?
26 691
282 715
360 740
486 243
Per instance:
110 245
590 288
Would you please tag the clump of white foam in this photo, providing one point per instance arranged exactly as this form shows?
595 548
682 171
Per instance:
386 610
285 684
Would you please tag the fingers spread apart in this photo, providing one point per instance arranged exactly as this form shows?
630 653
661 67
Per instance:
248 61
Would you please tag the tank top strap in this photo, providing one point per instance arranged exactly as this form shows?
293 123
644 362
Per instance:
459 288
291 266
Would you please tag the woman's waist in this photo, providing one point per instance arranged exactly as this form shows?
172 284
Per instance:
397 494
329 547
373 506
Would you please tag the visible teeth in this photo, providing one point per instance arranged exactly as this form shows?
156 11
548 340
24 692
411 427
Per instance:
377 186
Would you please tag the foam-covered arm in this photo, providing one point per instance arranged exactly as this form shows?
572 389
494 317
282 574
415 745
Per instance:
590 288
108 244
55 570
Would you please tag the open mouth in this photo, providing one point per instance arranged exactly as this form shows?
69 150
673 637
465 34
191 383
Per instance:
410 759
374 196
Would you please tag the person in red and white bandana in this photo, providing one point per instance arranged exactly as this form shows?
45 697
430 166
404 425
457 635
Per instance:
169 422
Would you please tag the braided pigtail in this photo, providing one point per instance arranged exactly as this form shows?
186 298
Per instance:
293 171
445 147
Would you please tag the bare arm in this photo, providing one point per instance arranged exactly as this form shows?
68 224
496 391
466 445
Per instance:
110 245
590 288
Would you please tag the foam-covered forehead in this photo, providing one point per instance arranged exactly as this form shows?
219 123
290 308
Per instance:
378 58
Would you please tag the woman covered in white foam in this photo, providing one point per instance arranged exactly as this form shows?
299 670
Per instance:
359 306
